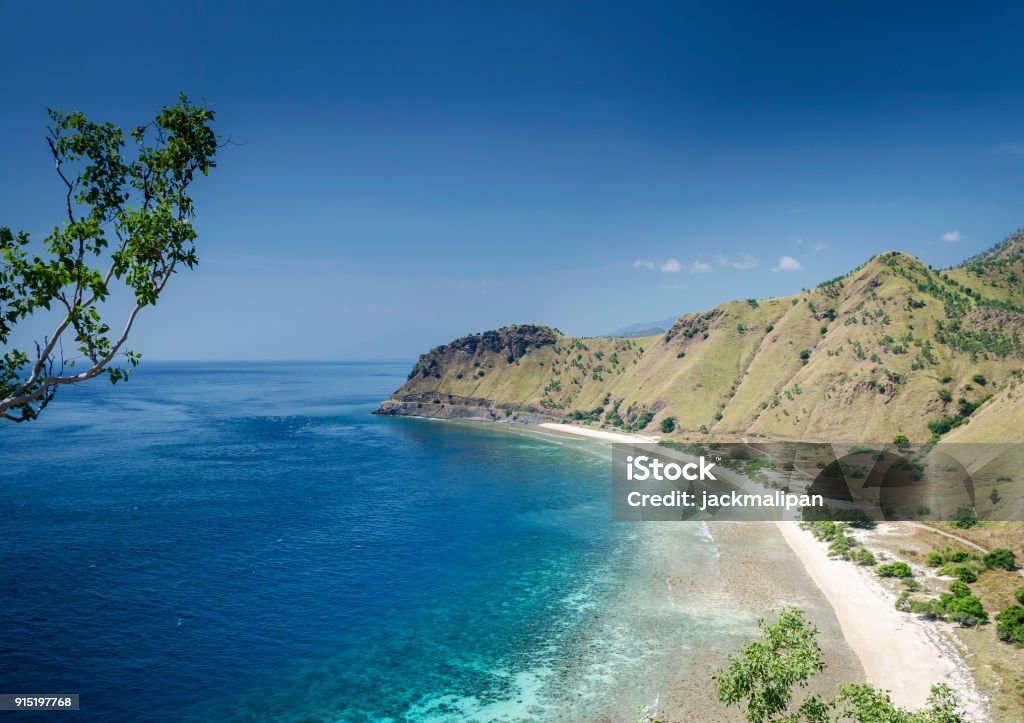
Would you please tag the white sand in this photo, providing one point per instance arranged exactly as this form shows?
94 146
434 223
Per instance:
899 652
617 437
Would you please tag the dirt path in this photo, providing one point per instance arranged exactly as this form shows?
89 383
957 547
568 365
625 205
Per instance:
950 535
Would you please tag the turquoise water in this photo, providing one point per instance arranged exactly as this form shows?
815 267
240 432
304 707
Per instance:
245 542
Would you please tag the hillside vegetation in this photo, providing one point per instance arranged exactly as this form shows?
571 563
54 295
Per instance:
893 347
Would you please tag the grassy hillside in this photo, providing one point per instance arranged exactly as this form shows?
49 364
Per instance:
893 347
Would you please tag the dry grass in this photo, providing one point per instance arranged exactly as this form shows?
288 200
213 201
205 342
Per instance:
998 668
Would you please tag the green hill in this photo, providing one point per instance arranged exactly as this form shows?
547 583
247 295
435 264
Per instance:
894 347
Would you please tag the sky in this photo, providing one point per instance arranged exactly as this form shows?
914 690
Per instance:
401 174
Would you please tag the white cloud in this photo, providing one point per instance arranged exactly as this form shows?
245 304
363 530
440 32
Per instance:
673 266
951 237
820 247
745 262
788 263
798 241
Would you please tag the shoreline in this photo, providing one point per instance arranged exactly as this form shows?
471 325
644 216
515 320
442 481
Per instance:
589 432
915 655
898 652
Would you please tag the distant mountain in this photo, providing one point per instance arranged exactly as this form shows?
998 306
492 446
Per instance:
1009 248
893 347
643 328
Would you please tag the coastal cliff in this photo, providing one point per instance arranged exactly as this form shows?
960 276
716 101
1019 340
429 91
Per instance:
893 347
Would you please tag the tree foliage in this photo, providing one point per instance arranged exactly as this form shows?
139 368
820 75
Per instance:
127 222
764 672
763 675
1001 558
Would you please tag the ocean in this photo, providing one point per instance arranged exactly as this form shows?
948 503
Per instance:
244 541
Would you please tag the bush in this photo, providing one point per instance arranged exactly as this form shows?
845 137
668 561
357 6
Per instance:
933 559
1010 625
910 584
894 569
928 608
668 425
863 556
965 517
966 610
1001 558
979 379
959 588
964 573
901 441
1019 594
958 556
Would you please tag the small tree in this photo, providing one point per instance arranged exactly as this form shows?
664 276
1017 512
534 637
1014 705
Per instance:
763 675
668 425
894 569
128 221
966 610
901 441
1001 558
764 672
1010 625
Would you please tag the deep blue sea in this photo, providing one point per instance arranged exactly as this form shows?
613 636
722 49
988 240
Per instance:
246 542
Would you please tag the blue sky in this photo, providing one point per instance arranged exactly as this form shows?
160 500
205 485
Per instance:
409 172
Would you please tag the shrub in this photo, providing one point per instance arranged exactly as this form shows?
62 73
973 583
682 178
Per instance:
959 588
863 556
768 329
841 547
965 517
933 559
958 556
1019 594
965 573
805 355
911 585
979 379
901 441
894 569
680 354
966 610
1001 558
668 425
1010 625
928 608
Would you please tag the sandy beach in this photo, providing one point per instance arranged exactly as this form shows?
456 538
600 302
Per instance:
899 652
615 437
